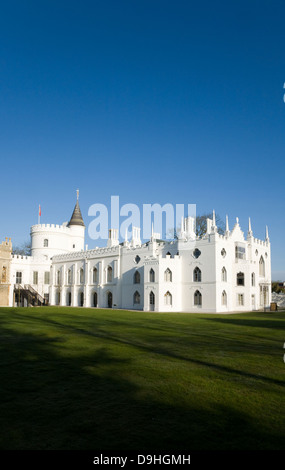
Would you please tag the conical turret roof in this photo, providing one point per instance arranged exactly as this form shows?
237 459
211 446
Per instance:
76 218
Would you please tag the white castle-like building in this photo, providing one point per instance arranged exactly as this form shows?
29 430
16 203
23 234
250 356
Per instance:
212 273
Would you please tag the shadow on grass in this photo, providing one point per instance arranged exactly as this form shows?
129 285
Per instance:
50 400
107 335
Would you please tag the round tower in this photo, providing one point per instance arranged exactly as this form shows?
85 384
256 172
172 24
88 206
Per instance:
48 240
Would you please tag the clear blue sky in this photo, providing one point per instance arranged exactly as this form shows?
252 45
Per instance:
154 101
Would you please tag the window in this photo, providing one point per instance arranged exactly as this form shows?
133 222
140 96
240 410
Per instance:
137 298
35 277
137 277
167 298
45 242
253 279
168 275
81 276
69 277
198 299
18 277
224 298
224 274
196 253
151 298
4 275
240 252
197 275
109 274
58 278
95 275
223 253
46 277
240 300
73 246
81 299
240 279
151 276
137 259
261 267
168 253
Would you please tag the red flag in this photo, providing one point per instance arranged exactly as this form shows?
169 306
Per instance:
40 211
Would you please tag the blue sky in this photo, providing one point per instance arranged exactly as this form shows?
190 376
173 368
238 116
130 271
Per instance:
154 101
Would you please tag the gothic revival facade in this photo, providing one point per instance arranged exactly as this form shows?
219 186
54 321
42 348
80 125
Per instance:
212 273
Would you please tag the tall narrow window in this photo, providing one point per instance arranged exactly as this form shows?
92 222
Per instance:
240 300
58 278
253 279
69 276
167 298
261 267
151 275
45 242
137 277
224 298
137 298
95 275
198 298
168 275
81 276
224 274
197 275
35 277
240 252
18 277
109 274
240 279
46 278
151 300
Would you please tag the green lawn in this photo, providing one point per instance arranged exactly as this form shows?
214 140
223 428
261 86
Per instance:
74 378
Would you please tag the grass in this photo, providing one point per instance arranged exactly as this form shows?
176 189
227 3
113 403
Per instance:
88 379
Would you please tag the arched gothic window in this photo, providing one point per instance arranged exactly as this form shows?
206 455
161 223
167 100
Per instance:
198 298
224 274
197 275
137 298
137 277
109 274
151 275
224 298
95 275
168 275
167 298
261 267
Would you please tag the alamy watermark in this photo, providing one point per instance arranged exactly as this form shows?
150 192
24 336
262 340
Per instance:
163 220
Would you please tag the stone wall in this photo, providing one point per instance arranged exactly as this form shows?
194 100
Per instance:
5 265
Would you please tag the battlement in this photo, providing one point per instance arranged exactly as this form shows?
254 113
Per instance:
80 255
50 228
6 245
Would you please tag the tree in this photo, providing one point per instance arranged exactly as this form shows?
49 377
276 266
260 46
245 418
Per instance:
23 250
201 226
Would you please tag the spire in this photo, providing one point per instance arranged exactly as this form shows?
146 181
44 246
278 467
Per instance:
214 227
76 218
227 225
266 234
249 228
